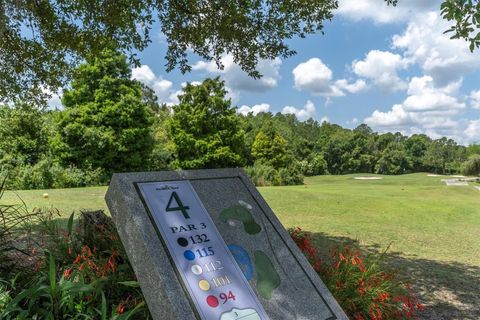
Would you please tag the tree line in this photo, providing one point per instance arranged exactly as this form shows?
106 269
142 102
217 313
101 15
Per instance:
112 123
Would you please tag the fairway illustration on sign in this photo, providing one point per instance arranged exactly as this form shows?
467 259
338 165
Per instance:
205 245
213 279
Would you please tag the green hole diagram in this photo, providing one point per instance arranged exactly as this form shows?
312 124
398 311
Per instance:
267 277
243 215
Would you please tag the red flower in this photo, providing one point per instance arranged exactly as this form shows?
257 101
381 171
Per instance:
362 268
361 291
383 296
375 313
67 273
120 308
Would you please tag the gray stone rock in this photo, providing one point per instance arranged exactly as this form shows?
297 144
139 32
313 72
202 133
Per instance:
299 294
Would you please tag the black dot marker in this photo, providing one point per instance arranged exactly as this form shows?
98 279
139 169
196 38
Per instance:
182 242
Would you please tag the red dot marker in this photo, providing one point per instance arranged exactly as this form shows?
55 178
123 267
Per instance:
212 301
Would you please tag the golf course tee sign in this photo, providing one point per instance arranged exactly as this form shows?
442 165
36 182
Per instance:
205 245
213 279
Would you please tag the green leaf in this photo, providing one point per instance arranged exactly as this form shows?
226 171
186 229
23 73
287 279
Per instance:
52 273
104 307
132 284
70 224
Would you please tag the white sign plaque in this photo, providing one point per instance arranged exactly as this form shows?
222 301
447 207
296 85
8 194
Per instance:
213 280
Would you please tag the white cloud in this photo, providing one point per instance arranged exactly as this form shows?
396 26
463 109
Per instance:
472 132
381 68
308 111
54 100
379 12
423 96
475 99
163 88
237 79
316 77
143 74
357 86
256 109
425 44
427 109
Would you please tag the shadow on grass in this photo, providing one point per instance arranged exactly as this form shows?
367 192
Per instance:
448 290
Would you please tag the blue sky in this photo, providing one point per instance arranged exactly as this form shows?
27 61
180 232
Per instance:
392 68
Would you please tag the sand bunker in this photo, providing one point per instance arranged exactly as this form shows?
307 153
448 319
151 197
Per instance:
368 178
433 175
478 188
458 176
455 182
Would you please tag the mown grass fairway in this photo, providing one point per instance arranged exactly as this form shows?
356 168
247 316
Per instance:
435 229
419 214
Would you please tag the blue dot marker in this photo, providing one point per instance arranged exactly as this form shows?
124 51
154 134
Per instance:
189 255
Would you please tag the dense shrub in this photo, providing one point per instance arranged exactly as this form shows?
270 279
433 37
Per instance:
265 175
313 166
262 174
471 167
361 285
290 175
50 174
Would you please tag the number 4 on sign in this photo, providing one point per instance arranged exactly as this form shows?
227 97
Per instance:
180 206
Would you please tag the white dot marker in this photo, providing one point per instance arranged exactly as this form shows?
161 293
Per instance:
196 269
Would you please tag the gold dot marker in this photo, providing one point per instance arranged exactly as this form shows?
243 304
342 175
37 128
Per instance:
204 285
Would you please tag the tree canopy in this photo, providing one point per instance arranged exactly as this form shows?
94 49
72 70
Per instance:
205 129
44 41
105 123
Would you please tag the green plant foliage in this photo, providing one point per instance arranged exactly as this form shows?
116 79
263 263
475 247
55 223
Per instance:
105 123
466 18
471 167
290 175
265 175
4 296
270 147
48 173
473 149
205 129
54 36
314 165
80 272
363 286
23 134
163 150
394 160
